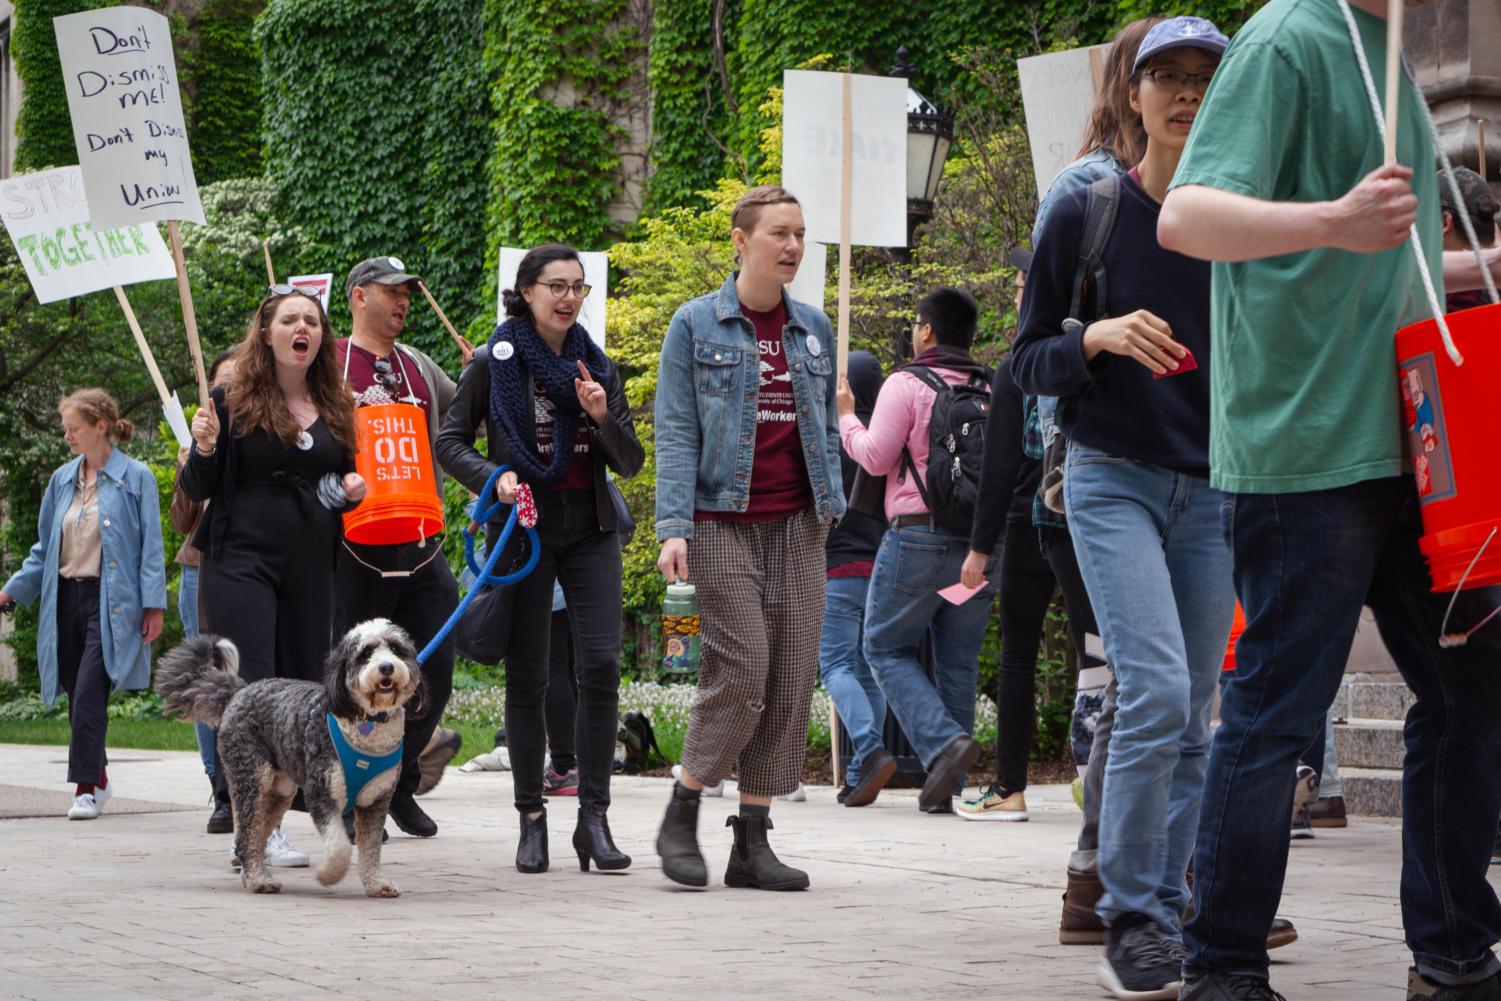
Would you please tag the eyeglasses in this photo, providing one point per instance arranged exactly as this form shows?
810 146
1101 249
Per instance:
1178 80
561 288
311 291
388 376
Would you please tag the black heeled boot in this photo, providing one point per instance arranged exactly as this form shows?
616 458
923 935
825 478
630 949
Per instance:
591 839
677 839
531 850
753 863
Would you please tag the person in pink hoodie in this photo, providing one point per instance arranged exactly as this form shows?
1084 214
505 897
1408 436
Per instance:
919 556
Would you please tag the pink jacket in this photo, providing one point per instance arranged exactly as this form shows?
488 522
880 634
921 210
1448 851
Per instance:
900 418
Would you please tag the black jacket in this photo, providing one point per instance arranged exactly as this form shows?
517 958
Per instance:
614 440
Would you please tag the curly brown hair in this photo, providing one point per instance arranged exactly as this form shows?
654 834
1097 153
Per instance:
1113 125
254 399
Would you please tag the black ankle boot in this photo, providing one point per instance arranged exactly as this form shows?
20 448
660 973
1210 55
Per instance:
677 840
753 863
222 820
591 839
531 851
410 817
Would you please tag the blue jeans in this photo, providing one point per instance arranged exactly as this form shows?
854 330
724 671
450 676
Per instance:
1304 563
187 611
904 605
1154 560
857 697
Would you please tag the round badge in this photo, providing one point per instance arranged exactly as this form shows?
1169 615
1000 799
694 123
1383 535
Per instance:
814 348
395 263
504 350
304 441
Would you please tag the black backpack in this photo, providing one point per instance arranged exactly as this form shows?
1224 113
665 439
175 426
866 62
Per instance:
956 448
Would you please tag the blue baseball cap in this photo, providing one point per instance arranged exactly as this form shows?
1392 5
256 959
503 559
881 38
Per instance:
1176 32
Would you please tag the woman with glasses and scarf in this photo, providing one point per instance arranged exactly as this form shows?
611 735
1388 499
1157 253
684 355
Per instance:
276 455
558 417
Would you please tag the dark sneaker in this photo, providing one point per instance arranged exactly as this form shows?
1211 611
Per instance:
566 784
940 807
1302 826
1420 989
1228 987
1328 811
847 788
1141 963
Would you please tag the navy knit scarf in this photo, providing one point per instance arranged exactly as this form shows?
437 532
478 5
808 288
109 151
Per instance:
512 410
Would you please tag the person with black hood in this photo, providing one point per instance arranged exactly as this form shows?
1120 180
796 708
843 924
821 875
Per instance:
851 552
557 414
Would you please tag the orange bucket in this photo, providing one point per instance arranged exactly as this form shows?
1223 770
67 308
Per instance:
1236 628
1451 416
401 496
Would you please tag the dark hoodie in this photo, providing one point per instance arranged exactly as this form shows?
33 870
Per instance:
857 536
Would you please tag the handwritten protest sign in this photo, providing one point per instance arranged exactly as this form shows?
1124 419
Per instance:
596 274
127 116
320 282
1057 93
812 152
47 217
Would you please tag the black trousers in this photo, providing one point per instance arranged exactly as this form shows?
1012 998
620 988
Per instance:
562 696
420 603
80 673
1027 585
586 561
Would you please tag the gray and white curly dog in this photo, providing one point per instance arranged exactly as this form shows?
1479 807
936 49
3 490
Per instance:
274 736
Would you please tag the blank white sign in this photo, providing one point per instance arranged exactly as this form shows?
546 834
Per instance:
596 275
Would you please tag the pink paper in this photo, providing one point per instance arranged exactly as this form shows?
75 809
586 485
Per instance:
958 594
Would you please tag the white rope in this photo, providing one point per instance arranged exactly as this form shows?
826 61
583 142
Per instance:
1417 243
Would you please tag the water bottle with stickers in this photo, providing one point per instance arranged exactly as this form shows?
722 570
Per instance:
680 628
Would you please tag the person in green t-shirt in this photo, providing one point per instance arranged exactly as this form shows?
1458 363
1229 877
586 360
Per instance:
1282 186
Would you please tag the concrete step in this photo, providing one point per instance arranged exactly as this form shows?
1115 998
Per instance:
1373 792
1362 698
1369 743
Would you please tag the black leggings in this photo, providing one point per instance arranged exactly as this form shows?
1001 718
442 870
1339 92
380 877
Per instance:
1027 585
562 695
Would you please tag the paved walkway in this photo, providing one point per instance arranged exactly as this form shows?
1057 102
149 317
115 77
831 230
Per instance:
141 904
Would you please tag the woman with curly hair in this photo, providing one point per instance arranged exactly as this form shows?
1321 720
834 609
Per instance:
276 455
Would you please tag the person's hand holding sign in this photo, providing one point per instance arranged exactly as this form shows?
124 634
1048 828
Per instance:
205 430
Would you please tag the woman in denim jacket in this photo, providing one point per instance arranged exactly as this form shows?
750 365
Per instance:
748 483
99 569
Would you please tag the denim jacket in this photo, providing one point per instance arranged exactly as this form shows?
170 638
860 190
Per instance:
132 571
707 394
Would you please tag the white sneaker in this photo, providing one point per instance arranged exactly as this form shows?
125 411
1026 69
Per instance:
102 795
85 807
498 760
714 790
798 795
281 854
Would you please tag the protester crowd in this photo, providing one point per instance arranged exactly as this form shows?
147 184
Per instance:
1200 406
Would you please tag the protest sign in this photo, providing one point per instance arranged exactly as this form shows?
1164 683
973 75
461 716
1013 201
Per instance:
47 217
127 116
320 282
1057 94
596 275
812 151
808 286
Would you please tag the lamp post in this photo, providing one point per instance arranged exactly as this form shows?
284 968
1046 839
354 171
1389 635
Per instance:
930 133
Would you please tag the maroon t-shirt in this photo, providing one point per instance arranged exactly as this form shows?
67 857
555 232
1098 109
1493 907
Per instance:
403 383
779 473
580 475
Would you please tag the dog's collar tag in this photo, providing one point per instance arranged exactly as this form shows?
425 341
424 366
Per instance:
366 728
358 768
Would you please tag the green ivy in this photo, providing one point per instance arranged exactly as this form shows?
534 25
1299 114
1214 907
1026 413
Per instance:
691 118
222 89
43 126
375 130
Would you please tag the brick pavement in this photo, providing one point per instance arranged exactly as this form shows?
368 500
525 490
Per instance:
143 905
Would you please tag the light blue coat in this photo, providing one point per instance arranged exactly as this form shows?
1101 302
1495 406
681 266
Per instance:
132 569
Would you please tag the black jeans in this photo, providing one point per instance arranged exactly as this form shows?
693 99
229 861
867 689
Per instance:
586 561
80 673
420 603
562 696
1027 585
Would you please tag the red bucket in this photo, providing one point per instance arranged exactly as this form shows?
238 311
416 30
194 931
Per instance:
401 496
1236 628
1452 422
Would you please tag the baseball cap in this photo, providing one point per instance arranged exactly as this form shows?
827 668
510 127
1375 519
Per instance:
1479 201
384 270
1020 258
1176 32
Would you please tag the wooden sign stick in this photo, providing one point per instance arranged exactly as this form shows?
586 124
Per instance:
270 273
461 342
135 328
846 169
1393 74
185 293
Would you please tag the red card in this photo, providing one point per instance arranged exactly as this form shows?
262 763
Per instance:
1185 364
526 506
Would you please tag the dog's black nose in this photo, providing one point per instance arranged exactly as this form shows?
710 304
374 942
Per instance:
387 669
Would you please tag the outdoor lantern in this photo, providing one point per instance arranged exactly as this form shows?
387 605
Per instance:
930 132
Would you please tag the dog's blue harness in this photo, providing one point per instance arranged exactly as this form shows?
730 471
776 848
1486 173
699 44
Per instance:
359 768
